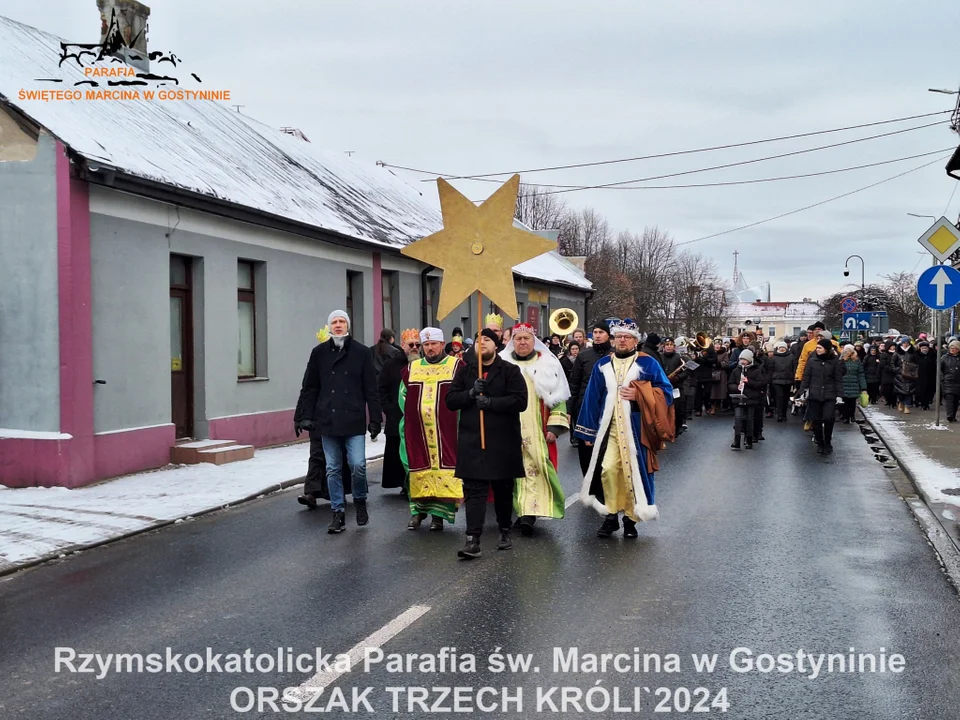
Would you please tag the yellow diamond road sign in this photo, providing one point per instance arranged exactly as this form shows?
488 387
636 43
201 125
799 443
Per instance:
942 239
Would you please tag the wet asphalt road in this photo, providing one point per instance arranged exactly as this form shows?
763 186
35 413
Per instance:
774 550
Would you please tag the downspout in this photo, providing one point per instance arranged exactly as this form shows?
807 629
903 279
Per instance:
424 317
586 310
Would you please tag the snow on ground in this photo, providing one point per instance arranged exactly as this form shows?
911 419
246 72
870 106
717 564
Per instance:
931 476
41 522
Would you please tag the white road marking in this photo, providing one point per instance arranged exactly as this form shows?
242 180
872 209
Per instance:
571 500
356 653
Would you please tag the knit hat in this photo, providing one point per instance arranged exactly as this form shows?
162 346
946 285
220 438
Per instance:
923 343
488 333
602 325
955 344
338 314
825 344
746 355
780 345
826 335
652 339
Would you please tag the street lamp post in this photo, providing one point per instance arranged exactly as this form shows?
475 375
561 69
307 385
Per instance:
863 284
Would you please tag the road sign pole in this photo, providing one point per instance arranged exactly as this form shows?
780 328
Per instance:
936 391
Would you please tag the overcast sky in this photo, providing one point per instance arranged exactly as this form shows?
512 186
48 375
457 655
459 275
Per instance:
475 87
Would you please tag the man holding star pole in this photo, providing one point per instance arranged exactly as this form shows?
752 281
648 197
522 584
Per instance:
477 250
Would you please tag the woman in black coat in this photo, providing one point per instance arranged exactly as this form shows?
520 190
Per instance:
950 380
783 367
906 372
926 360
889 360
871 370
388 386
823 382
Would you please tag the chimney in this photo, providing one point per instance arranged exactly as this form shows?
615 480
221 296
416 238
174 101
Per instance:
123 31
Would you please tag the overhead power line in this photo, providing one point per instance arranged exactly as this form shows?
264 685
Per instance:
817 204
451 176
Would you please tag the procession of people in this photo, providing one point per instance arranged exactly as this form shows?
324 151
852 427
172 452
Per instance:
478 421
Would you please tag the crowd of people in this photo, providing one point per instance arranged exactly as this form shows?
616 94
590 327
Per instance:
476 421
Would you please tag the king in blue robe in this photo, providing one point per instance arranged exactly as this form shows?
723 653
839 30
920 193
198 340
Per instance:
618 480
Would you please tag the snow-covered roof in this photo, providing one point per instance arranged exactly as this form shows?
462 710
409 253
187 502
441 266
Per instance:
785 310
205 147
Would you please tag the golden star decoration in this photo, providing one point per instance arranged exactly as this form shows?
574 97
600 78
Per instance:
478 247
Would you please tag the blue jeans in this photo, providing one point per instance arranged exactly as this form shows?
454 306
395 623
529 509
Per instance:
356 457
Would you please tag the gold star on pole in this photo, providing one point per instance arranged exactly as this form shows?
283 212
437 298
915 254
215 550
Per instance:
478 247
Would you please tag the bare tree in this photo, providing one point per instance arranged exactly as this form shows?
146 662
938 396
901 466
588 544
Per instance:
583 233
538 210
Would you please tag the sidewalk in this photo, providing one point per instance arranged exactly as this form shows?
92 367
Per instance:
39 524
930 456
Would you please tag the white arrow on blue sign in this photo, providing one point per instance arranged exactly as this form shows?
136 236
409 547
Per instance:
857 321
939 287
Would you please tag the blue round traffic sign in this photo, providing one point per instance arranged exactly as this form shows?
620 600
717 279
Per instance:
939 287
848 304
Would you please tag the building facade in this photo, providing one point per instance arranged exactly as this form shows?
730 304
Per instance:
772 319
149 296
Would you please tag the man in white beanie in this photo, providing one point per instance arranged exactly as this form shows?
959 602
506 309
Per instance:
340 388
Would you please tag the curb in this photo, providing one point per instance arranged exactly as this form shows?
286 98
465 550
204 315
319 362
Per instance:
7 570
946 545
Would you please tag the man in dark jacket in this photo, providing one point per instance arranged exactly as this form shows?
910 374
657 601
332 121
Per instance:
501 395
580 377
823 381
926 374
950 380
783 366
340 388
651 347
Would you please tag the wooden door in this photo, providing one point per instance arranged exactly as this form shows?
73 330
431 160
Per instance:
181 346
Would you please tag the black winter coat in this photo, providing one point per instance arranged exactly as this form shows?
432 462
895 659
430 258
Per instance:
580 376
783 368
652 351
905 385
823 377
388 390
671 361
888 367
755 387
871 368
340 386
707 362
927 373
507 390
950 380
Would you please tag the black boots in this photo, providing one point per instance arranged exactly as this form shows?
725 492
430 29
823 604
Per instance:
309 500
610 526
629 528
525 524
362 517
471 550
415 521
748 443
337 524
436 524
505 543
736 442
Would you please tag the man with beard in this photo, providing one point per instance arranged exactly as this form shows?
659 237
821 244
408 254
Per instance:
501 394
429 432
340 388
580 377
394 473
625 419
538 493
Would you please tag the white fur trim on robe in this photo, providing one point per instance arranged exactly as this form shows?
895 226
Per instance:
642 510
549 380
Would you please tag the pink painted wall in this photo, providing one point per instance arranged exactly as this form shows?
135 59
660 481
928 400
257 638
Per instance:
29 463
129 451
258 429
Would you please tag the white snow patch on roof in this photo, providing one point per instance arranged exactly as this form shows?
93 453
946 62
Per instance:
205 147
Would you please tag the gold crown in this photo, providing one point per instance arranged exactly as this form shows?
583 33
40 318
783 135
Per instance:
410 334
494 319
323 334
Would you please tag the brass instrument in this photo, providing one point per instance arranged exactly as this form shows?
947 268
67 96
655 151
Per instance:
563 321
703 341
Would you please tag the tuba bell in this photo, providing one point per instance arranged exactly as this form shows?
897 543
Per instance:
563 321
703 341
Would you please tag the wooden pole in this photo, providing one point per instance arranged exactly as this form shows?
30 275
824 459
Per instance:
483 435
